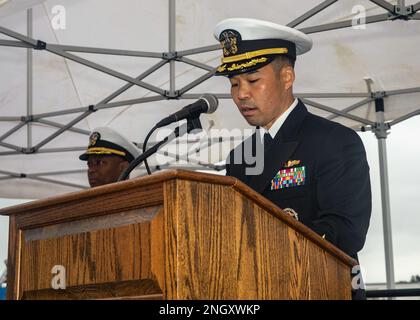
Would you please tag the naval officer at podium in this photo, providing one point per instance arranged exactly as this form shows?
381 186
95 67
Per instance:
314 168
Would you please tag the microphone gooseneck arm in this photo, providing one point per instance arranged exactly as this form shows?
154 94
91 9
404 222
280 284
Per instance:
146 140
177 132
191 124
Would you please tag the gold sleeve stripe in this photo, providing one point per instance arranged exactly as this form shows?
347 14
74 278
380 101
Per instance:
100 150
253 54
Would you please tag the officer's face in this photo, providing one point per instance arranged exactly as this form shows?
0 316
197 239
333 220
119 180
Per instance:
104 169
263 95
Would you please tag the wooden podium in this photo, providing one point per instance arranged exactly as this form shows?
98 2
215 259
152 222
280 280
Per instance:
173 235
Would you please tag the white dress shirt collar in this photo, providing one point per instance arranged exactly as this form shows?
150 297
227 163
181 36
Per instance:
279 122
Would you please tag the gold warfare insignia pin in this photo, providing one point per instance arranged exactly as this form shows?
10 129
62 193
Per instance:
229 40
94 137
291 163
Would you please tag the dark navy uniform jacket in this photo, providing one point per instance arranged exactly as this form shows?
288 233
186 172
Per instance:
333 197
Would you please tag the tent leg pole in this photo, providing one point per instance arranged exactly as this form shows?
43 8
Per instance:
386 213
381 134
172 44
29 79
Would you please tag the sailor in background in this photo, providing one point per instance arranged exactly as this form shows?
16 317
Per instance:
314 167
108 156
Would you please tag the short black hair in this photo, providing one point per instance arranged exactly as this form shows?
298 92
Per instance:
281 60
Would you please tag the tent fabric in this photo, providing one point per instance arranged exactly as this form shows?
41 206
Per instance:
338 66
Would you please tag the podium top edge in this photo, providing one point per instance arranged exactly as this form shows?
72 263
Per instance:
159 177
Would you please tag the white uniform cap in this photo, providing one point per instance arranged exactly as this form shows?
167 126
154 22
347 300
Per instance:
249 44
253 29
106 141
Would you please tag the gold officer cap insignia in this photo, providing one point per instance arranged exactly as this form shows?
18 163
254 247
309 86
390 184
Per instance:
94 137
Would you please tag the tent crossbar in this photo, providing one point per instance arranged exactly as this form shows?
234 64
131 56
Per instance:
198 50
416 7
54 173
14 43
62 183
103 103
344 24
33 43
14 175
44 46
338 112
171 166
193 96
10 173
297 95
320 7
384 4
332 95
405 117
188 159
402 91
12 146
129 102
106 70
196 82
12 131
37 176
6 178
10 119
105 51
10 153
127 86
58 150
58 125
195 63
61 130
37 117
352 107
139 145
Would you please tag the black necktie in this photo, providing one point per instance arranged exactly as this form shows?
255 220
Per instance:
267 141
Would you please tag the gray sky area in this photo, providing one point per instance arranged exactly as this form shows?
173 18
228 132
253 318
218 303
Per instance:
404 173
403 146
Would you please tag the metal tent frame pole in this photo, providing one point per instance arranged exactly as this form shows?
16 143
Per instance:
381 132
29 79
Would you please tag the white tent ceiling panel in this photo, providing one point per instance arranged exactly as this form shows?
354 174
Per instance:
204 15
339 62
128 24
13 83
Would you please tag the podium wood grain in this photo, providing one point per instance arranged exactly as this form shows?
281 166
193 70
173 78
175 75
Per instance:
172 235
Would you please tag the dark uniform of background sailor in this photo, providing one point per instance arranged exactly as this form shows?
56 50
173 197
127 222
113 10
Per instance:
108 155
314 167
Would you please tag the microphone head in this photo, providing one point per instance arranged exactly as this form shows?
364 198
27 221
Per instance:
211 101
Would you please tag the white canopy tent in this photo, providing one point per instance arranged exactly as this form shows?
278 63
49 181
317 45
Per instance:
128 63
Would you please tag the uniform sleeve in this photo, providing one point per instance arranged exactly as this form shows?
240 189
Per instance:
343 191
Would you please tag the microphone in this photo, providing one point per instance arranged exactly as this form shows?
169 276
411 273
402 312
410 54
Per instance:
206 104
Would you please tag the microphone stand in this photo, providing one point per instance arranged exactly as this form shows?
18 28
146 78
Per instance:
191 124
